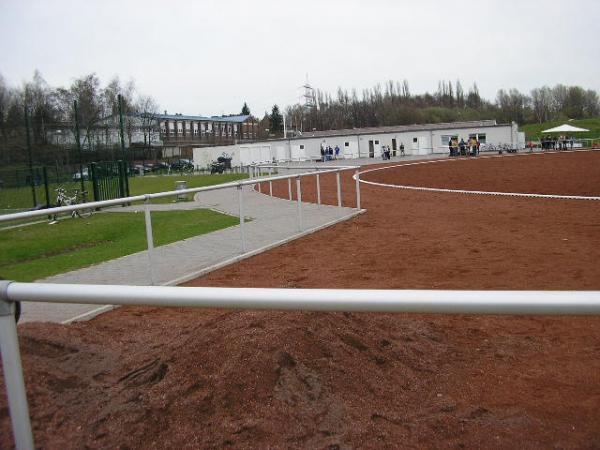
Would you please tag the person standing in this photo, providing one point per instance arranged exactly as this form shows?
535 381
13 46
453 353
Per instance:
402 149
463 147
337 151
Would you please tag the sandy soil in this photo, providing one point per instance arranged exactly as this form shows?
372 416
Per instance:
156 378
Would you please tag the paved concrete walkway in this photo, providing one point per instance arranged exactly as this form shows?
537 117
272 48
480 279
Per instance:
274 221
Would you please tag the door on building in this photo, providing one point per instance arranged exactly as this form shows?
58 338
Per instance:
394 147
371 149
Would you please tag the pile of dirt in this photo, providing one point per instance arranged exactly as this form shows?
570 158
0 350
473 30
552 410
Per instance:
143 378
180 378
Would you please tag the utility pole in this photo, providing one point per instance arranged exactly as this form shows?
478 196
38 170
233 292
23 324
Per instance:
29 156
78 141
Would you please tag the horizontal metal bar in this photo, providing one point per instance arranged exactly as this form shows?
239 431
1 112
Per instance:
308 167
140 198
406 301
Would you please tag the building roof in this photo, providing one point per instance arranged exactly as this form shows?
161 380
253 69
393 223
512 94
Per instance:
397 129
229 119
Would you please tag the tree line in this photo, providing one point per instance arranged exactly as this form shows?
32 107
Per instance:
393 104
52 108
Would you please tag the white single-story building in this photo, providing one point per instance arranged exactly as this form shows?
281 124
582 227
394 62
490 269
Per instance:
423 139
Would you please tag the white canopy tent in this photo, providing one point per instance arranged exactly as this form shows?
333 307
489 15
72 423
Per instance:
565 129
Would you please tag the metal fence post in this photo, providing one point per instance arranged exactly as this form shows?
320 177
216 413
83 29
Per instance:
240 189
290 188
299 202
339 188
271 188
149 238
46 189
357 178
93 177
318 189
13 373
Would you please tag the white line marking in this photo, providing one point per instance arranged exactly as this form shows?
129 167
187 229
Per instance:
463 191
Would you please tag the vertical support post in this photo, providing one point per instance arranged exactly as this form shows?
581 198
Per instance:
290 188
78 143
259 188
13 373
240 189
299 202
339 188
149 239
46 187
30 157
318 189
357 178
121 129
94 182
271 188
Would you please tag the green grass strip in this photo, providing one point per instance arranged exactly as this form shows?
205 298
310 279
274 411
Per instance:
38 251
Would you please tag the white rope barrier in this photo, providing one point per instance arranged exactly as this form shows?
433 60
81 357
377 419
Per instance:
466 191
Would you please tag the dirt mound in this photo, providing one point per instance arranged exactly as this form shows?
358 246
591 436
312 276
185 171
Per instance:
207 379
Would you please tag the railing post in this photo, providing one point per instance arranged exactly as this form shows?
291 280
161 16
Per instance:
299 202
149 238
290 188
271 188
357 177
339 188
318 189
13 373
240 189
259 188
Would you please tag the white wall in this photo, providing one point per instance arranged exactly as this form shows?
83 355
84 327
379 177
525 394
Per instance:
420 142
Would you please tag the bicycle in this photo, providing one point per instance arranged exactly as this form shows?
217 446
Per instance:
78 197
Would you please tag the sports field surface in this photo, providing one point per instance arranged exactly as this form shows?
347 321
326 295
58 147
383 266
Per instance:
180 378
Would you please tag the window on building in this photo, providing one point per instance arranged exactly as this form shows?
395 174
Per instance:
415 140
301 146
447 138
346 144
481 137
376 142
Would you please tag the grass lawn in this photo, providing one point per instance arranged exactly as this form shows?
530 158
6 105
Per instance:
38 251
534 131
150 184
16 199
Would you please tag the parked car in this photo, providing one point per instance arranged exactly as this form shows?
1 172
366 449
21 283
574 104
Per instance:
161 165
138 168
182 165
77 175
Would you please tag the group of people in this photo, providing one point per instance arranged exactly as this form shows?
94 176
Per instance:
328 153
557 143
462 148
386 152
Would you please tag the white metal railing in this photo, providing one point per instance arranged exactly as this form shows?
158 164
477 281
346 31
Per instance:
318 171
405 301
254 173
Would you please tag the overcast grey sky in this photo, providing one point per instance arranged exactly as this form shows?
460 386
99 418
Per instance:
209 56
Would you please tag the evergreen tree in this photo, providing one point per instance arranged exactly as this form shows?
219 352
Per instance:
276 120
245 110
